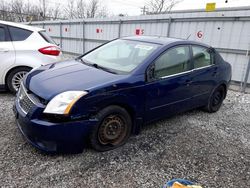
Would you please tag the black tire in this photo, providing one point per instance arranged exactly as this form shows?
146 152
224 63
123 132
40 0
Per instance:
216 99
113 129
12 75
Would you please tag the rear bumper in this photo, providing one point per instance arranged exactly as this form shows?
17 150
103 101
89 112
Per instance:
65 137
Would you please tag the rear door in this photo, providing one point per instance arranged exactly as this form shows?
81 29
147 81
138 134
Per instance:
205 73
7 52
169 92
18 37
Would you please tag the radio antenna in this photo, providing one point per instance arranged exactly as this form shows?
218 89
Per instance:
188 37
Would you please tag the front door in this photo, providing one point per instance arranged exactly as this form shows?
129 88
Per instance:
7 52
169 91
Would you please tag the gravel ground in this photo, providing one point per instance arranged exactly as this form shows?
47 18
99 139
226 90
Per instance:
212 149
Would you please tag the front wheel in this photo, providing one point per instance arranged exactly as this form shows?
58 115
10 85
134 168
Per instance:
216 99
113 130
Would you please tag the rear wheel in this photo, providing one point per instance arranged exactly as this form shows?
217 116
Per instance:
216 99
113 130
15 77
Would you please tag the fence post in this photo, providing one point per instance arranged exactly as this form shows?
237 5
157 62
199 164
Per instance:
169 25
61 45
83 37
119 28
246 76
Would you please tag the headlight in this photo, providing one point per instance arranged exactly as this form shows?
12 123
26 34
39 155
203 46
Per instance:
63 102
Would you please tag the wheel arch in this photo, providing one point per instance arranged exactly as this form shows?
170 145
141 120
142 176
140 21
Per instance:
225 86
12 69
127 107
136 122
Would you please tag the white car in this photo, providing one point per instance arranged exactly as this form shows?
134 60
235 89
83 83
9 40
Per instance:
22 48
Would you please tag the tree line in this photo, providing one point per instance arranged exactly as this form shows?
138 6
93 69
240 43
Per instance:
22 11
27 11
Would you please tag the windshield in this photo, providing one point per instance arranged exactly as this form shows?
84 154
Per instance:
120 56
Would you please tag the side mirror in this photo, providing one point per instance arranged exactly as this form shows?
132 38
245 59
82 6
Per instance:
150 76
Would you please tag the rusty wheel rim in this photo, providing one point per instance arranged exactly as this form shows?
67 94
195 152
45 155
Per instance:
112 130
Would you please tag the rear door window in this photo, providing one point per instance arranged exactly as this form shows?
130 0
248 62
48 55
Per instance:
46 37
202 56
2 34
18 34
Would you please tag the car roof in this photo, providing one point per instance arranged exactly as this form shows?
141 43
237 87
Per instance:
153 39
162 40
31 28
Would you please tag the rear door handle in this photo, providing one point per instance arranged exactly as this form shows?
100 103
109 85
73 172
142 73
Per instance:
188 82
4 50
215 73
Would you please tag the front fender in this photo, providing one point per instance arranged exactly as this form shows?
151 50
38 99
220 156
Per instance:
132 99
127 99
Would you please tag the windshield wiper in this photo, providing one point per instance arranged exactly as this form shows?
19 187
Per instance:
97 66
84 62
103 68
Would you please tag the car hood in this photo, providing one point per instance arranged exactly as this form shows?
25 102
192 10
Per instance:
50 80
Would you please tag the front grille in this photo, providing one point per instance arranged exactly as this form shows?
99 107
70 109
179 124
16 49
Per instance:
24 100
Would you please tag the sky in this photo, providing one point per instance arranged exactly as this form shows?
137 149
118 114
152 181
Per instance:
133 7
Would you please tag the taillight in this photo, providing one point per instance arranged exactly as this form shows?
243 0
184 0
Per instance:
50 50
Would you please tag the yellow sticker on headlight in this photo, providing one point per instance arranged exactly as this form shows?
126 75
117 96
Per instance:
71 104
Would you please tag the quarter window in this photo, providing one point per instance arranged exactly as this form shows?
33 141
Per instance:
18 34
173 61
46 37
2 34
201 56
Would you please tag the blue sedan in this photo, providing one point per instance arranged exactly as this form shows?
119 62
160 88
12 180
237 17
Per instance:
109 93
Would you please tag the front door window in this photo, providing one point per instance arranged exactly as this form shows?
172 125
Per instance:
173 61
